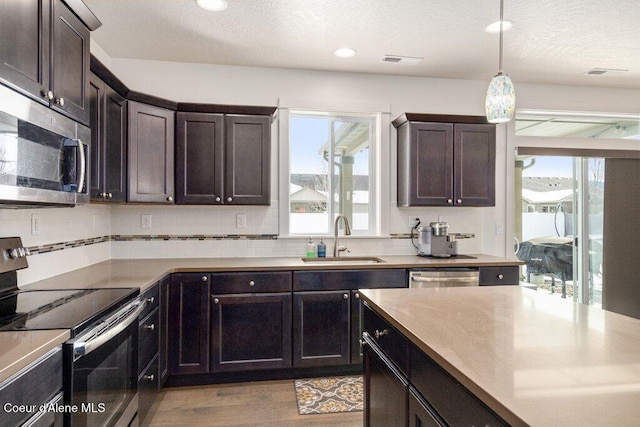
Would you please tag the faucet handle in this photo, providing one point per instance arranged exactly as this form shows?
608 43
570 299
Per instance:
343 249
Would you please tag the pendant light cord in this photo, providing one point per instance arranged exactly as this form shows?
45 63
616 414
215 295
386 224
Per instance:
501 31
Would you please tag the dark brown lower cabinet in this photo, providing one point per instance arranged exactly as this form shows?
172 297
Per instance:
163 350
420 415
189 324
148 384
321 328
250 331
385 390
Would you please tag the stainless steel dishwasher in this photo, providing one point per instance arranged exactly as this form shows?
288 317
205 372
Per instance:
444 277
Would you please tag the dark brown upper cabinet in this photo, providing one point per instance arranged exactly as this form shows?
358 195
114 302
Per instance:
45 54
151 153
223 159
445 160
108 123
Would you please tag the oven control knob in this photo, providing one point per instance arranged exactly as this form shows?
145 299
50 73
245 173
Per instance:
16 253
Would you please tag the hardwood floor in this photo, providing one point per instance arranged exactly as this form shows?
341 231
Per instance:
265 403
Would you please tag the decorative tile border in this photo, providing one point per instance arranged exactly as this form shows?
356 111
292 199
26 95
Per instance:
52 247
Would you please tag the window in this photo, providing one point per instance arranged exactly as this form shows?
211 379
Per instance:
332 171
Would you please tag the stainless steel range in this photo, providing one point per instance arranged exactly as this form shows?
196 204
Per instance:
101 358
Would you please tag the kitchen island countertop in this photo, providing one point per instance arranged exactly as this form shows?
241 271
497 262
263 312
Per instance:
532 357
143 273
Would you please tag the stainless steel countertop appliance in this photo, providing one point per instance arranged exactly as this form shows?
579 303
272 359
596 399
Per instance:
435 240
100 361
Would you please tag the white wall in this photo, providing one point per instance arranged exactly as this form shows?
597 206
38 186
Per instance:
264 86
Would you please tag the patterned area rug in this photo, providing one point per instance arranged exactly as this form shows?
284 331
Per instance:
329 395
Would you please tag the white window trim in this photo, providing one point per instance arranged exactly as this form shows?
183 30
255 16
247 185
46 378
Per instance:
383 158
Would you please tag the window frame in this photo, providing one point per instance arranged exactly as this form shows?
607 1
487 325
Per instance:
379 192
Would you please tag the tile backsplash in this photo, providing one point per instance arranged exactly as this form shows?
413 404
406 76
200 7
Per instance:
71 238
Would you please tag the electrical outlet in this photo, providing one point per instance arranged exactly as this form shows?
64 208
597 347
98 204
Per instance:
145 221
499 228
241 221
35 224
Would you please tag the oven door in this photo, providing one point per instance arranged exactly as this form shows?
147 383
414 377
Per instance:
101 371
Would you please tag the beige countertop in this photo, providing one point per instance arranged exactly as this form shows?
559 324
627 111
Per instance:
19 349
532 357
142 273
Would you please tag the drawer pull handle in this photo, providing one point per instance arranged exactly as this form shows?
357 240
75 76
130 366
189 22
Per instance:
150 327
252 283
149 377
382 333
151 300
500 276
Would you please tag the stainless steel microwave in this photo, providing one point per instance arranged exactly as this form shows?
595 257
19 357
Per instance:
43 155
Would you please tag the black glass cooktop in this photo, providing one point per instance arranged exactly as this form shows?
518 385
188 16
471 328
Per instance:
73 309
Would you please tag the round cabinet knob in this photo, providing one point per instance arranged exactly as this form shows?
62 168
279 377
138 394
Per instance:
216 301
218 199
149 377
252 283
459 201
169 199
204 278
59 101
450 201
229 199
47 94
500 276
110 196
345 296
150 327
151 300
103 195
356 295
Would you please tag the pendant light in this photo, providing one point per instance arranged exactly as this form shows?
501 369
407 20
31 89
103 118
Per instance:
500 103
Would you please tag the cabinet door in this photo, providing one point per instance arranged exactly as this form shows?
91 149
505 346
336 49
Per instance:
70 70
320 328
96 122
356 328
163 347
385 402
420 414
474 164
251 331
189 324
425 164
115 146
151 143
199 158
247 160
24 51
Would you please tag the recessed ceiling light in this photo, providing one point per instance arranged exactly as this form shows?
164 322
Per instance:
213 5
344 52
494 27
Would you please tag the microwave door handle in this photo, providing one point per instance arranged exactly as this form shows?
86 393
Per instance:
82 348
83 165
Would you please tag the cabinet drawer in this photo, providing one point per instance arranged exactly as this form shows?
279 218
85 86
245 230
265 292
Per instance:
148 338
334 280
34 385
447 396
151 297
390 341
237 283
147 389
499 275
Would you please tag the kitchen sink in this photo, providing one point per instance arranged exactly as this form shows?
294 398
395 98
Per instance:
344 260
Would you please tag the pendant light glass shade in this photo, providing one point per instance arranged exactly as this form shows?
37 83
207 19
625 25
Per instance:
500 103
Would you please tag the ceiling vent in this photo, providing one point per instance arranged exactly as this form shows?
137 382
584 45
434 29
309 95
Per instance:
397 59
601 71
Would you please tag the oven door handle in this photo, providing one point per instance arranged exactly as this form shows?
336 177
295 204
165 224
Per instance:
82 348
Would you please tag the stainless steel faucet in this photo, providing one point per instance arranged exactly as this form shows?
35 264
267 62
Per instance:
347 231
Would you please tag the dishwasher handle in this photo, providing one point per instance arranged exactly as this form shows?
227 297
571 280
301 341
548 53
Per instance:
445 279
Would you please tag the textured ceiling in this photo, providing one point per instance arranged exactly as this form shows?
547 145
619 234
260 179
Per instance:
551 42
